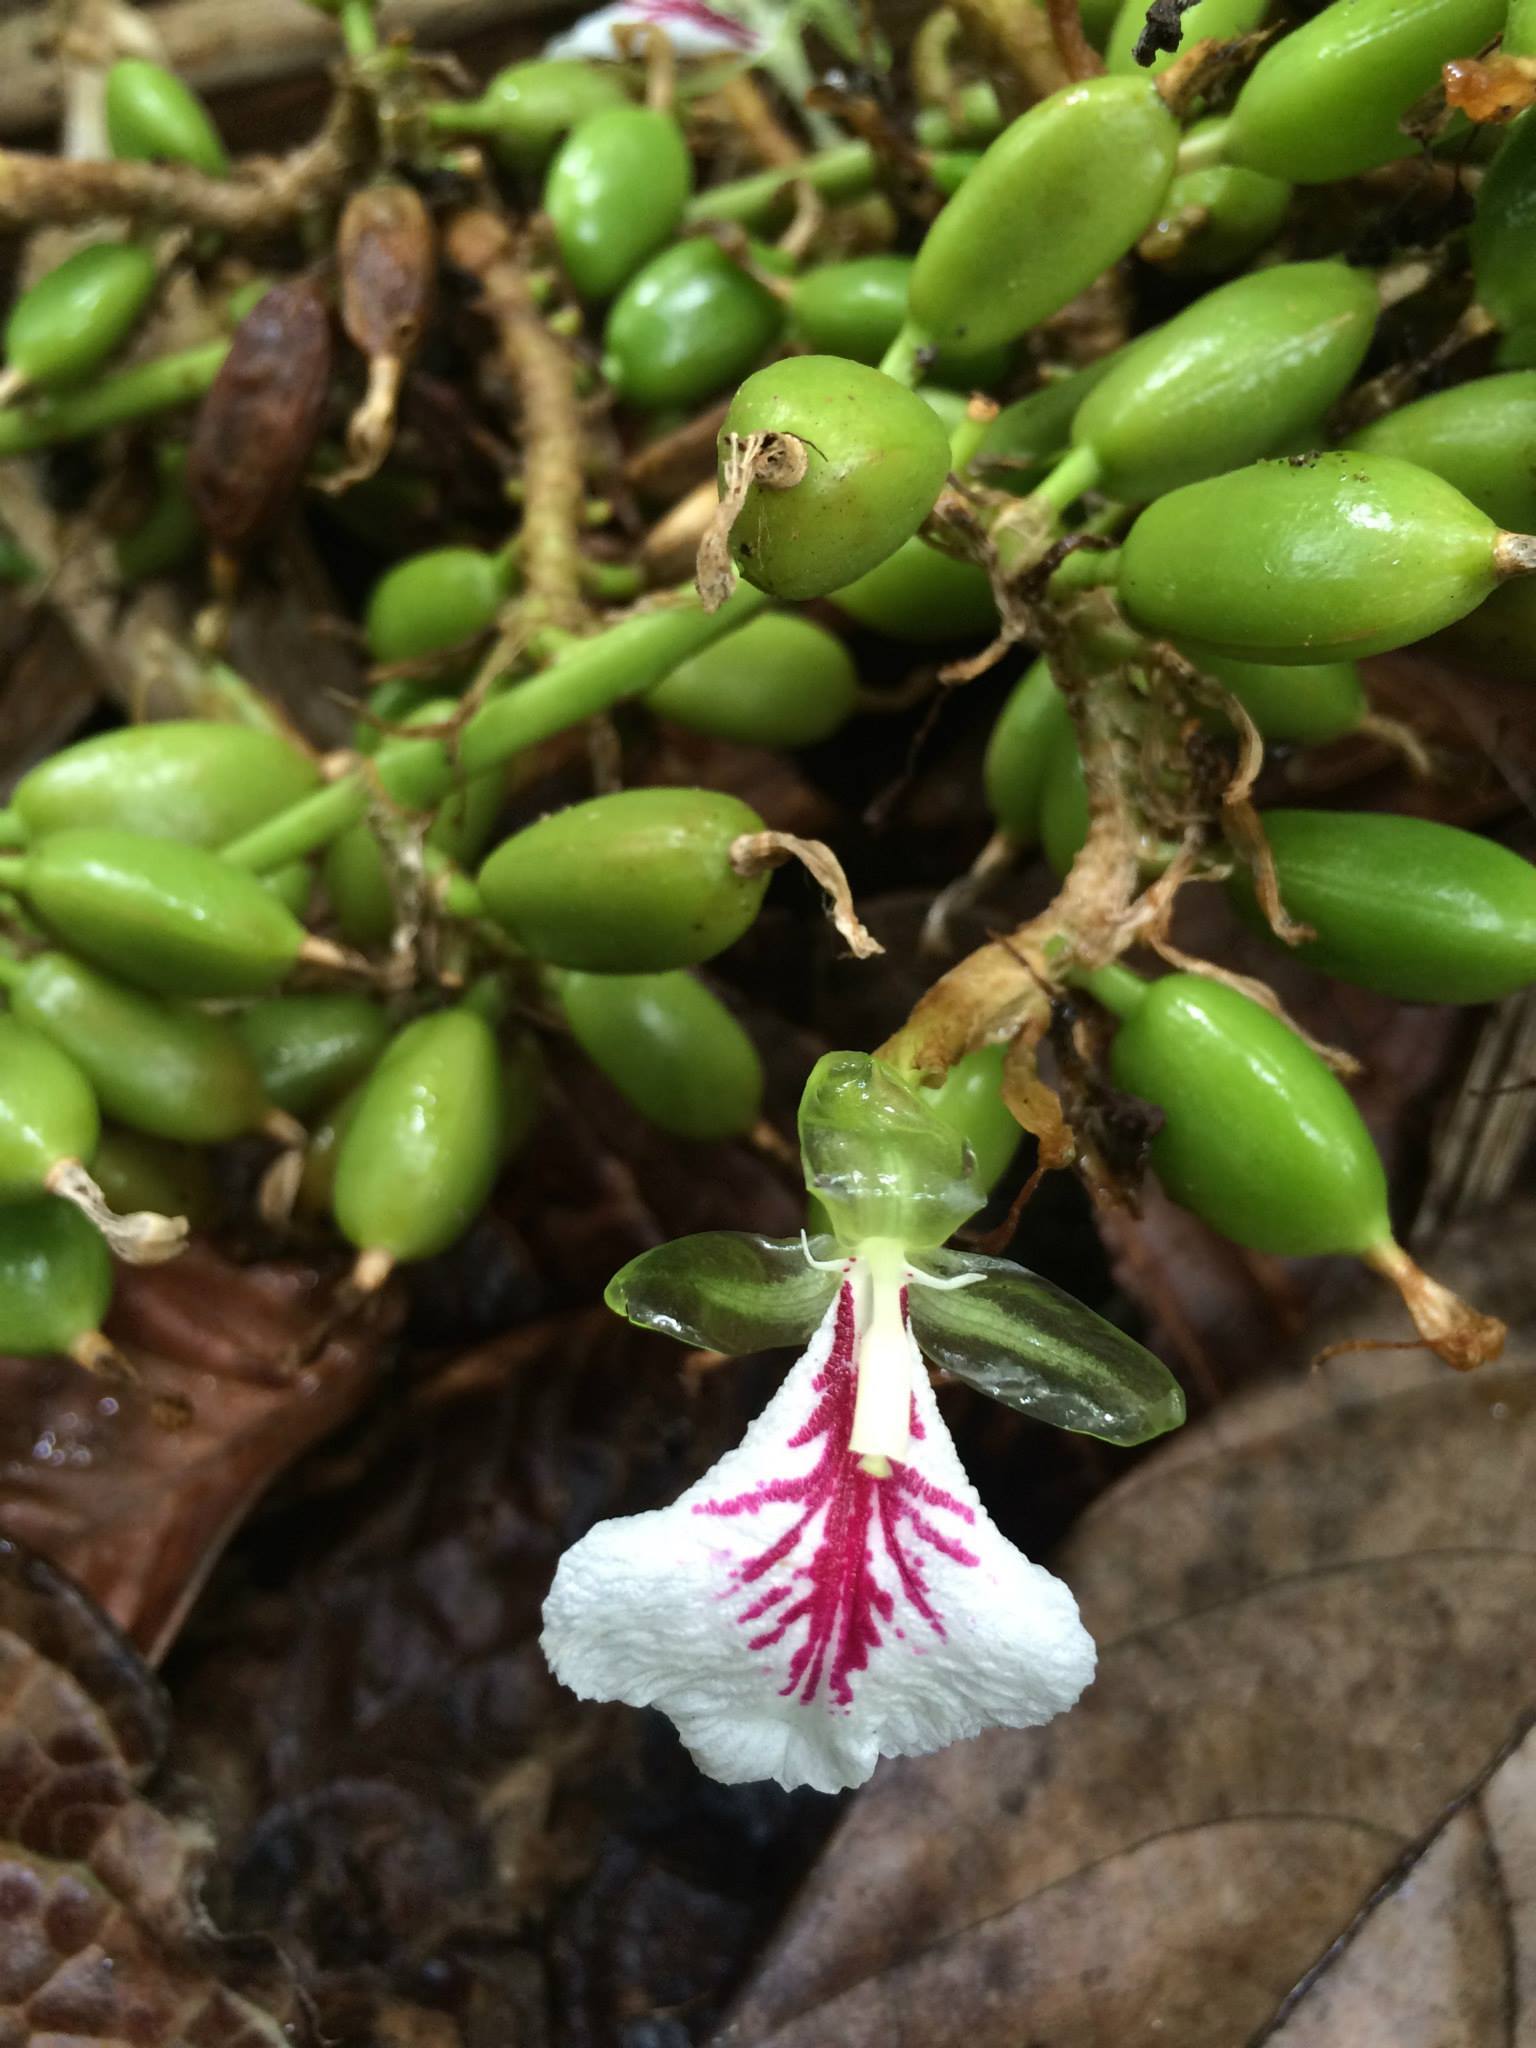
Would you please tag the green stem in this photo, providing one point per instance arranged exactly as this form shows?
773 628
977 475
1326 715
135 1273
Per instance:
13 830
13 871
593 675
965 440
112 401
13 969
1076 472
846 171
1120 991
359 31
1085 569
900 359
1206 147
586 676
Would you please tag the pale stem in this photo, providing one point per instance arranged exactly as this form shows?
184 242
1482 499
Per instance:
882 1409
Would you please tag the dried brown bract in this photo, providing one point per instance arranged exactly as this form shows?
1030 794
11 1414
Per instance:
386 248
260 421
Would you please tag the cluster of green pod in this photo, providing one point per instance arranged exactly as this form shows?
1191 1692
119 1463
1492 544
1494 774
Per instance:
908 419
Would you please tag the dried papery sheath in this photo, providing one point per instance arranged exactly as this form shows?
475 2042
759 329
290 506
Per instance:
386 251
832 1591
260 421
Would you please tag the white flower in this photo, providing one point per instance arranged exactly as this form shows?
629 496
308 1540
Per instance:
831 1592
693 28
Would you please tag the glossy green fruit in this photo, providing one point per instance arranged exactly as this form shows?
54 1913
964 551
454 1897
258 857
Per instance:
686 325
310 1049
1214 219
443 599
55 1279
166 917
1310 559
1325 101
1019 752
877 459
189 779
137 1172
1259 1138
153 118
1061 195
632 883
1026 437
1063 803
1416 910
970 1101
1228 379
47 1111
616 193
81 312
169 535
1478 436
1502 228
394 703
782 681
317 1183
671 1047
526 109
293 886
355 870
856 309
1219 18
159 1067
422 1149
1302 704
919 594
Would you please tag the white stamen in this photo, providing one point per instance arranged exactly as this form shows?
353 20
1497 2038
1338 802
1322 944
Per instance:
882 1409
838 1265
917 1279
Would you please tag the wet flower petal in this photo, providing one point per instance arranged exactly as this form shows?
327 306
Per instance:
1026 1343
693 28
727 1290
799 1618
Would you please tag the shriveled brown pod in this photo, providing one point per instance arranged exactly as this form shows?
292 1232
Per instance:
261 419
386 248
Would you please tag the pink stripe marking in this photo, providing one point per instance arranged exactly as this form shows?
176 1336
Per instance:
840 1609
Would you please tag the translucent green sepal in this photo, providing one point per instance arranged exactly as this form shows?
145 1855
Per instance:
1029 1345
878 1157
726 1290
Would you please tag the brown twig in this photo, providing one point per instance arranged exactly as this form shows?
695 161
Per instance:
1078 56
1017 45
36 190
543 373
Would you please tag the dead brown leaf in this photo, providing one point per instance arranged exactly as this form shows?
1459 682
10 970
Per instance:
102 1937
136 1513
1298 1805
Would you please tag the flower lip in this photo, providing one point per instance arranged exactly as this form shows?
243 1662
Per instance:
798 1617
693 28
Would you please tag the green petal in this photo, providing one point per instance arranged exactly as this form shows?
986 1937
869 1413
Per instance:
727 1291
1031 1346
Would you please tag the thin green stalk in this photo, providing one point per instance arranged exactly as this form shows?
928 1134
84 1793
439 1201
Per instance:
13 831
846 171
1205 146
1076 472
359 31
901 358
113 401
1116 987
586 677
